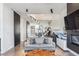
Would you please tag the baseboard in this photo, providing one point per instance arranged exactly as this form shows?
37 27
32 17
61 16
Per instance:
2 52
73 52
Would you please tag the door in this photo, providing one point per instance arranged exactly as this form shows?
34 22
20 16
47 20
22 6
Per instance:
16 29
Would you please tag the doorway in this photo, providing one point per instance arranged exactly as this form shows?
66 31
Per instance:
16 29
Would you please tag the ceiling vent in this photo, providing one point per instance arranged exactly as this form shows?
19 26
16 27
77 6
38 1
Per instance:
26 10
51 10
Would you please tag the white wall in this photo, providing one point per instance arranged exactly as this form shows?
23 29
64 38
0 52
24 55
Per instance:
0 20
61 17
7 41
59 24
1 8
23 28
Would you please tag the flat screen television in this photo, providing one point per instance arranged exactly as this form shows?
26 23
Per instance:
72 21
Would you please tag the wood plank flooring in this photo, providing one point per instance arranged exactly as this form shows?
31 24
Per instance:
19 51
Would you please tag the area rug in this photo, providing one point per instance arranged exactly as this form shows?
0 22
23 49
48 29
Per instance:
40 53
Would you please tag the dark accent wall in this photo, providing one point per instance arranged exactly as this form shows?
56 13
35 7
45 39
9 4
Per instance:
16 29
71 7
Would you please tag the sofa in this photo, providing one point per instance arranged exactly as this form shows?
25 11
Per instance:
45 43
61 40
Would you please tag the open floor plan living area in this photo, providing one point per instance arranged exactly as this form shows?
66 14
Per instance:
39 29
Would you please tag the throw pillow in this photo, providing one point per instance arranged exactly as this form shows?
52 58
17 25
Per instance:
45 41
32 41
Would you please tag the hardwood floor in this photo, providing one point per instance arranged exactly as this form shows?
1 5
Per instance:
19 51
60 52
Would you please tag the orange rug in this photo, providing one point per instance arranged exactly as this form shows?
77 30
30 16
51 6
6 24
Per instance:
40 53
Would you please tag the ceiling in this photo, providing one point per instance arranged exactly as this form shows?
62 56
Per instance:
44 16
41 11
37 8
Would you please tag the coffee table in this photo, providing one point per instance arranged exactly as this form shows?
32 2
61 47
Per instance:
40 52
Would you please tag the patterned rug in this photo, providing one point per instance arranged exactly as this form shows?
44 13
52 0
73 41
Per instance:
40 53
